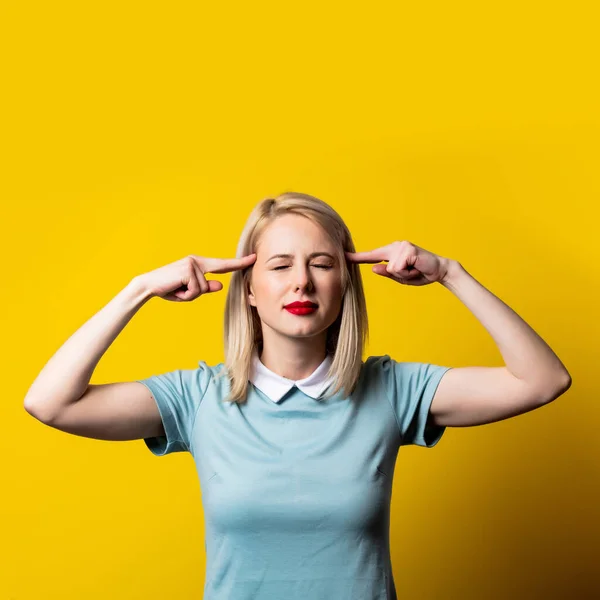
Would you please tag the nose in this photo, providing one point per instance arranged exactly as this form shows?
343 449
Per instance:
302 278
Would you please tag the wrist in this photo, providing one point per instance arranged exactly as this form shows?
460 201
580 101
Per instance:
453 269
138 288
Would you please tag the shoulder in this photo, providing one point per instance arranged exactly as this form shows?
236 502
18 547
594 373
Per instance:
378 363
188 380
205 373
403 374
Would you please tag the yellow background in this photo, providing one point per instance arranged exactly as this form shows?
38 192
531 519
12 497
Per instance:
134 134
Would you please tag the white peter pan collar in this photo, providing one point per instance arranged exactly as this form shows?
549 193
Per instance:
275 386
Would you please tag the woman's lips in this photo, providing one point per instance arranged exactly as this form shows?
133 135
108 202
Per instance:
301 310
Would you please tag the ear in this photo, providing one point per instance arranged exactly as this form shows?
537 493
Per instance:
251 298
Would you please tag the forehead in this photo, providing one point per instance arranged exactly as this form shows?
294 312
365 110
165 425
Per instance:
290 232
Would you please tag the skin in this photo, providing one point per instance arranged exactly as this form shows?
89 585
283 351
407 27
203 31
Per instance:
294 346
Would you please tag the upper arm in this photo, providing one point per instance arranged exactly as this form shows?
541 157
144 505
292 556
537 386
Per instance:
111 411
160 409
478 395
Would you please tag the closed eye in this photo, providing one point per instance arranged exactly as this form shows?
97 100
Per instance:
318 266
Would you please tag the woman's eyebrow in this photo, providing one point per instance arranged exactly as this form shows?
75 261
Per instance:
311 255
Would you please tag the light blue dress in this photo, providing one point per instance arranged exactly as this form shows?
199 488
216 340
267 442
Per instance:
296 493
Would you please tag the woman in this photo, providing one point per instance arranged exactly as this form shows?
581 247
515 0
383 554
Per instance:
294 437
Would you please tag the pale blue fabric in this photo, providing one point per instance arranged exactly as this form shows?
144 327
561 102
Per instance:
296 494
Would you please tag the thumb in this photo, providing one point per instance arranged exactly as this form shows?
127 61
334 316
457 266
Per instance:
214 285
380 269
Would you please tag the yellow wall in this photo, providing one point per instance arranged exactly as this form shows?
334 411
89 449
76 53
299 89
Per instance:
135 133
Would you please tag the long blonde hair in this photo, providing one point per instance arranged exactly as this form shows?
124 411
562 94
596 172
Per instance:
346 337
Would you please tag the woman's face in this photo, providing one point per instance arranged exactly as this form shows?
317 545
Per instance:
277 281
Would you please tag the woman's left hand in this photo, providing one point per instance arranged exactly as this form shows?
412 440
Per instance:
407 263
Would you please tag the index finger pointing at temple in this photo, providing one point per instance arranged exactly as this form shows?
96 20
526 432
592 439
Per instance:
225 265
371 256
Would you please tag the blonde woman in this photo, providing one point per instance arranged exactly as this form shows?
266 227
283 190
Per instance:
294 437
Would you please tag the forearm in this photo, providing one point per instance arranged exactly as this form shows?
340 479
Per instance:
66 376
525 353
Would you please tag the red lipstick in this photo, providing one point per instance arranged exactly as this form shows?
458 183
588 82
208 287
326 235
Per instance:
301 308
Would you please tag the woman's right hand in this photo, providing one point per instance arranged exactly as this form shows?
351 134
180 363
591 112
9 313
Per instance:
184 281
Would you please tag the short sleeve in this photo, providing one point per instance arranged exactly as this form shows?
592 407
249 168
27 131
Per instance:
410 387
178 395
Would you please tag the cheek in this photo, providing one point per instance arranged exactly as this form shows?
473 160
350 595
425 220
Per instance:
335 284
268 289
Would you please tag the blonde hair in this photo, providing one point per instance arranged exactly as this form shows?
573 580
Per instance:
346 337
